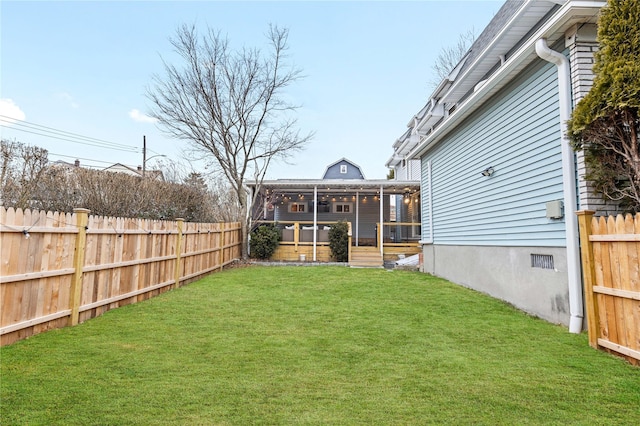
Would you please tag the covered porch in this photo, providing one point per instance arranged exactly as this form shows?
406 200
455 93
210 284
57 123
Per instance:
383 218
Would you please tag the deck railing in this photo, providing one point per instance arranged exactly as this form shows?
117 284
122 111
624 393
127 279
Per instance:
297 239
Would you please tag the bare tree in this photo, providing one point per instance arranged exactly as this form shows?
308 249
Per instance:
230 105
21 168
450 56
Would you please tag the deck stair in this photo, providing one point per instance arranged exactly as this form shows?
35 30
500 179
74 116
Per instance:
366 257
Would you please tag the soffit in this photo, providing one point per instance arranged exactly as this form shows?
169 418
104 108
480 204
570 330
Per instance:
509 37
553 30
346 185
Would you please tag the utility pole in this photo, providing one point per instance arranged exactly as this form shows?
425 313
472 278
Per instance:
144 155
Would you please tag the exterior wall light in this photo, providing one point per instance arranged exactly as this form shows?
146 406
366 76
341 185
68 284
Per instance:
488 171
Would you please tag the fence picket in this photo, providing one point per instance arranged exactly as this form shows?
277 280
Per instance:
615 252
615 249
37 295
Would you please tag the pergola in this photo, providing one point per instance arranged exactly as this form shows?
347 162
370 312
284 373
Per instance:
275 191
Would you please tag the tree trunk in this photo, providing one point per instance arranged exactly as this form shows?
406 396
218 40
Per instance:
244 221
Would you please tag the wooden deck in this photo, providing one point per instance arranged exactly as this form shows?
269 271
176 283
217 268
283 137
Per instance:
297 245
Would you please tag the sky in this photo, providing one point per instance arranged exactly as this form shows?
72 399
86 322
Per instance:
84 67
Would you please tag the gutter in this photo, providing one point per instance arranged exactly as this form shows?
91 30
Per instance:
569 10
568 185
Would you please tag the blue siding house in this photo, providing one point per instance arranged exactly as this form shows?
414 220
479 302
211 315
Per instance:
499 183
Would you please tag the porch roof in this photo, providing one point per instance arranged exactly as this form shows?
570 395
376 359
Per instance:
346 185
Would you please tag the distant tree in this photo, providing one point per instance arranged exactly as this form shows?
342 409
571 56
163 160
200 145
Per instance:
231 107
29 181
605 123
450 56
196 180
391 175
21 168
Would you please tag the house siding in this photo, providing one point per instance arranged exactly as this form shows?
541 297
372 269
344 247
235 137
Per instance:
486 228
369 215
409 171
517 133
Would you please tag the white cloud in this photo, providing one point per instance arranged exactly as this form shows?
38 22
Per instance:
140 117
68 98
10 112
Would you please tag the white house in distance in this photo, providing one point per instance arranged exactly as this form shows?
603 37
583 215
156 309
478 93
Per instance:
122 168
499 189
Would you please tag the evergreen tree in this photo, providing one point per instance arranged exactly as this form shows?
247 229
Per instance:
605 124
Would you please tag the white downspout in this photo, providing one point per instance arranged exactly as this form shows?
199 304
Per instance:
357 215
381 230
568 185
315 221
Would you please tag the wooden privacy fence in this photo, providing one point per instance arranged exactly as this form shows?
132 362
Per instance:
61 269
611 268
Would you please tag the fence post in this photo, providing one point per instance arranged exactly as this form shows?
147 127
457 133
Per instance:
176 270
349 242
82 219
222 244
589 275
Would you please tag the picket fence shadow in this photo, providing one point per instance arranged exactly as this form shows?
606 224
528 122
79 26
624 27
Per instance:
62 269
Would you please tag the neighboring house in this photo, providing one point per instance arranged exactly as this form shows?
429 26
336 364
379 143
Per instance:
65 164
121 168
402 166
498 179
304 209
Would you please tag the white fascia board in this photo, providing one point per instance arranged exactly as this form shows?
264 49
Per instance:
337 184
489 50
393 161
435 115
571 9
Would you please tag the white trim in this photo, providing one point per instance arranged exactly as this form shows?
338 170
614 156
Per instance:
315 221
500 77
357 216
381 230
430 187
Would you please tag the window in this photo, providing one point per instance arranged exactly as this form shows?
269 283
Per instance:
343 169
297 207
343 207
323 207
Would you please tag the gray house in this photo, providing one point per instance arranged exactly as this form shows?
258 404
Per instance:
499 187
383 215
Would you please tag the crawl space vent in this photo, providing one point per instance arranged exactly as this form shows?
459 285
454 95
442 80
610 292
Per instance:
544 261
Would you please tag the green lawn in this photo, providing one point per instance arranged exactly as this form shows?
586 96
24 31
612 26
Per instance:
317 345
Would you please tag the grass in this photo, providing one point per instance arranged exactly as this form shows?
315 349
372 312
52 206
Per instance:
324 345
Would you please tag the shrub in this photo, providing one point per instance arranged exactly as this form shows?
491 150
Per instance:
606 122
339 241
264 240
